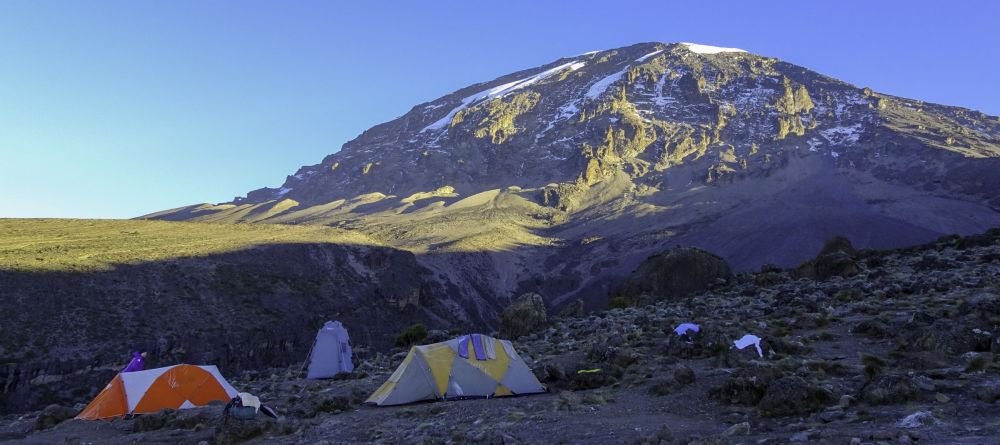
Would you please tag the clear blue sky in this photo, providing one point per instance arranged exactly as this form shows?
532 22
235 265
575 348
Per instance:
115 109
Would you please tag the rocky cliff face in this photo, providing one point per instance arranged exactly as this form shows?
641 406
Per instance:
643 110
65 334
561 179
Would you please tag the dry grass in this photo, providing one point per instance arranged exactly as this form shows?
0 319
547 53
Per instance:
85 245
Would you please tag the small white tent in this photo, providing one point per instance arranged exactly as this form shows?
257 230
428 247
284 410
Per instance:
331 352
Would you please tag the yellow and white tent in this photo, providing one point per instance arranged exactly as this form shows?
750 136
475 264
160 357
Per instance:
470 366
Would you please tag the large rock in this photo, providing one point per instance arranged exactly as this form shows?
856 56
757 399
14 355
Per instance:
837 259
154 421
52 415
790 396
947 336
524 316
746 386
232 430
889 389
677 273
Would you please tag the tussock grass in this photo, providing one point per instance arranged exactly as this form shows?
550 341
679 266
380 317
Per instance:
87 245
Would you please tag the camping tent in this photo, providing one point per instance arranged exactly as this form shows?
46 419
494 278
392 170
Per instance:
176 387
331 352
470 366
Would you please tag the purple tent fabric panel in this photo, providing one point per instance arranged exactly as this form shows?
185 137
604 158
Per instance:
463 347
477 345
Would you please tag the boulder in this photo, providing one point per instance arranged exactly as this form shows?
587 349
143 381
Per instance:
918 419
740 429
947 336
557 372
873 328
792 395
746 386
524 316
234 430
52 415
838 244
985 305
889 389
437 336
574 309
988 392
837 258
677 273
593 378
769 275
154 421
684 375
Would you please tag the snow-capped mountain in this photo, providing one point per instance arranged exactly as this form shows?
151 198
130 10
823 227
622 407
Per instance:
561 178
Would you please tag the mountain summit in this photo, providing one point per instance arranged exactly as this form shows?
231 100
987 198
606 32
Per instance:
560 179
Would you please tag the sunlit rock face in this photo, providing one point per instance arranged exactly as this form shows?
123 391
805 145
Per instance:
561 179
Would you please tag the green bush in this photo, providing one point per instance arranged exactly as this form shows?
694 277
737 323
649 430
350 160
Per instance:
618 303
411 335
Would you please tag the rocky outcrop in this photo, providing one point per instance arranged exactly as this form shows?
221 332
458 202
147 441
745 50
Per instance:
674 274
52 415
889 389
525 315
792 395
837 259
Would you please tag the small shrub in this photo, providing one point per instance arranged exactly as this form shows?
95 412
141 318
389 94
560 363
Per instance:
618 303
873 365
663 387
412 335
977 362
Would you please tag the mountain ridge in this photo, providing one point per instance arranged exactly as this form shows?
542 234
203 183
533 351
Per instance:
561 178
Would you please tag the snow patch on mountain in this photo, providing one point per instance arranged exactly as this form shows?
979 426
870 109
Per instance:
499 91
602 85
814 145
649 55
564 112
708 49
842 135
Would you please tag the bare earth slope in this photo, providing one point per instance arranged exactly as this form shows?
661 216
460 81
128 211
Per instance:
560 179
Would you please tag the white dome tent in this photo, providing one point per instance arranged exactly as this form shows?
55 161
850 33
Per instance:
331 352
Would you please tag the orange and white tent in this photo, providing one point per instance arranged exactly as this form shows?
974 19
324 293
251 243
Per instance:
149 391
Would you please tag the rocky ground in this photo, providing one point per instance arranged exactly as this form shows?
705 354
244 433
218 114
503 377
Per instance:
859 347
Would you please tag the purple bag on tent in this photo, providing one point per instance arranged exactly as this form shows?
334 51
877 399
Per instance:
138 363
